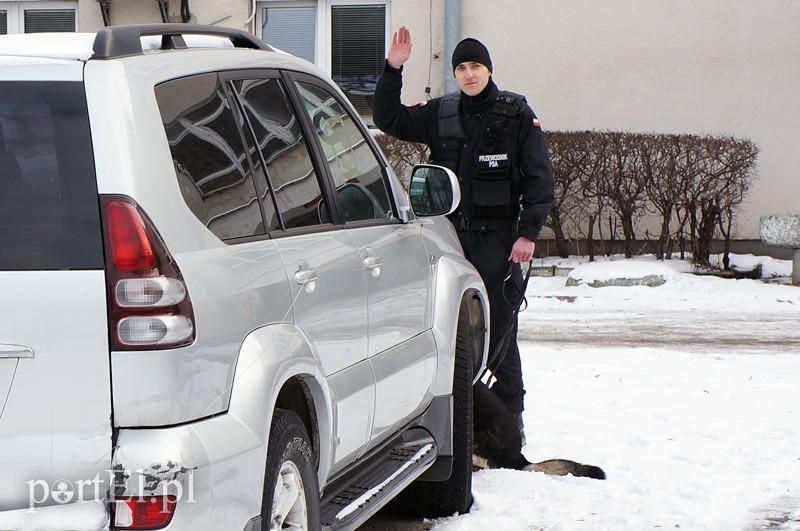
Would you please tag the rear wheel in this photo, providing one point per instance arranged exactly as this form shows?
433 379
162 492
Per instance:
454 495
291 492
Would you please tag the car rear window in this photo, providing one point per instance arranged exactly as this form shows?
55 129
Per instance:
49 213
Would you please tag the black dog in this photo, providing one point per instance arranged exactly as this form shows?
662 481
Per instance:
497 442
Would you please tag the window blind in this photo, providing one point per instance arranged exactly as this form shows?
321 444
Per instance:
49 20
358 49
3 23
292 29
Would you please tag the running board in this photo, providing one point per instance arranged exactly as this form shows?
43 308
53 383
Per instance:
348 503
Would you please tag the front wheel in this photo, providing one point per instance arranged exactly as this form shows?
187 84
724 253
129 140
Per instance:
291 492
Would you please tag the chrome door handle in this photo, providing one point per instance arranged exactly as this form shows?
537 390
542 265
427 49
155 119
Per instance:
373 262
306 278
15 351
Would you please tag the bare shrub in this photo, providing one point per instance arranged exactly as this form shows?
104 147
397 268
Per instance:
606 181
402 155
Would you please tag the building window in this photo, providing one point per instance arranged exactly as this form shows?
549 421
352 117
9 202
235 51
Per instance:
358 49
345 38
38 17
290 27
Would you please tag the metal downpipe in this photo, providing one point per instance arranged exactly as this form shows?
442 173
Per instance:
452 35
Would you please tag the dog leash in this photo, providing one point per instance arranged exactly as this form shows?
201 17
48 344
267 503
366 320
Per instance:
501 348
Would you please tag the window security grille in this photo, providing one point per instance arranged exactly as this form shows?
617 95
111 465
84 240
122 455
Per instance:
49 20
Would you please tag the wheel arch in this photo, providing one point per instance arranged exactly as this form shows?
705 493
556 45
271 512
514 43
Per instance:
459 298
278 368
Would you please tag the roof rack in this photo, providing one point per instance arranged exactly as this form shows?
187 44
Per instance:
121 41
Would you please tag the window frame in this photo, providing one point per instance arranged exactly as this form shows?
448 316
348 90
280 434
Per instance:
228 77
15 12
387 37
387 31
294 77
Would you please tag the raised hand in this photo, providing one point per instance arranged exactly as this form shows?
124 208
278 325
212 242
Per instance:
400 50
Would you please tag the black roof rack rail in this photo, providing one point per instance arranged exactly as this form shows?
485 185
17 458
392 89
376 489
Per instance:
121 41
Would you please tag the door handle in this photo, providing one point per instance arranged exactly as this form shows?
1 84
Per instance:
373 262
306 278
15 351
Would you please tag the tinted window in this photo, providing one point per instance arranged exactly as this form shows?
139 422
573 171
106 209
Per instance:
210 161
284 150
356 172
49 214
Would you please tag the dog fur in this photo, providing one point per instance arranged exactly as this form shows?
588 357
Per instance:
497 442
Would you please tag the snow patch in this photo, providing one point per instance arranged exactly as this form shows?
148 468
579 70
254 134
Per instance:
770 267
695 430
602 273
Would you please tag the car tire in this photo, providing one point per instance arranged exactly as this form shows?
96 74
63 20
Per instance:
291 490
454 495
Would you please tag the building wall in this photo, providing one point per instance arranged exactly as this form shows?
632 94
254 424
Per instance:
146 11
680 66
683 66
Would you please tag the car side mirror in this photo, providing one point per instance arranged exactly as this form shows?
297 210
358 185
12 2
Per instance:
434 190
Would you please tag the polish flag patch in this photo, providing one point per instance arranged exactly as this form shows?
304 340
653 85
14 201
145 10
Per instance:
536 122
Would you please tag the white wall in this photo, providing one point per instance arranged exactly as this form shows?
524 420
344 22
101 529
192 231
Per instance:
693 66
674 66
146 11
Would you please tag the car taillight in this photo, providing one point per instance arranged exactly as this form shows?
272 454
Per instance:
149 512
149 306
130 246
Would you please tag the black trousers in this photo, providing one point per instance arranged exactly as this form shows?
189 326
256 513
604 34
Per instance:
488 252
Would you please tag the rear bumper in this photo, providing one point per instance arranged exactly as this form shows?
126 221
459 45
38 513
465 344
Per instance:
215 467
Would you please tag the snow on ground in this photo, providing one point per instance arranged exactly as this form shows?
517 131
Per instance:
698 431
770 267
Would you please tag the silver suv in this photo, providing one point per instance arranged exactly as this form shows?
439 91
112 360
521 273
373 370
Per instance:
219 310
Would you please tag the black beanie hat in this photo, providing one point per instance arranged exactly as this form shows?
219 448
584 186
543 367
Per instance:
471 50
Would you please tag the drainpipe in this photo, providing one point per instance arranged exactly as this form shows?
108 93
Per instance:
452 35
105 10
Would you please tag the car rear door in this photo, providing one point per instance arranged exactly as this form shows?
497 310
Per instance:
55 421
322 261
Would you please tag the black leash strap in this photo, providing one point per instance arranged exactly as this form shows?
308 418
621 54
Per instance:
501 348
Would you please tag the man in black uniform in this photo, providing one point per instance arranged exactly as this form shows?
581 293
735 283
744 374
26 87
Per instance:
492 140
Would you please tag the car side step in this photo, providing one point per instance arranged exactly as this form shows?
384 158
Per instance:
348 503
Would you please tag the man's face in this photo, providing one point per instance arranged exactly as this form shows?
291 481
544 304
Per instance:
472 77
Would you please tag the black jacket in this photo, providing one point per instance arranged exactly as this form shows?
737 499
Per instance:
420 124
